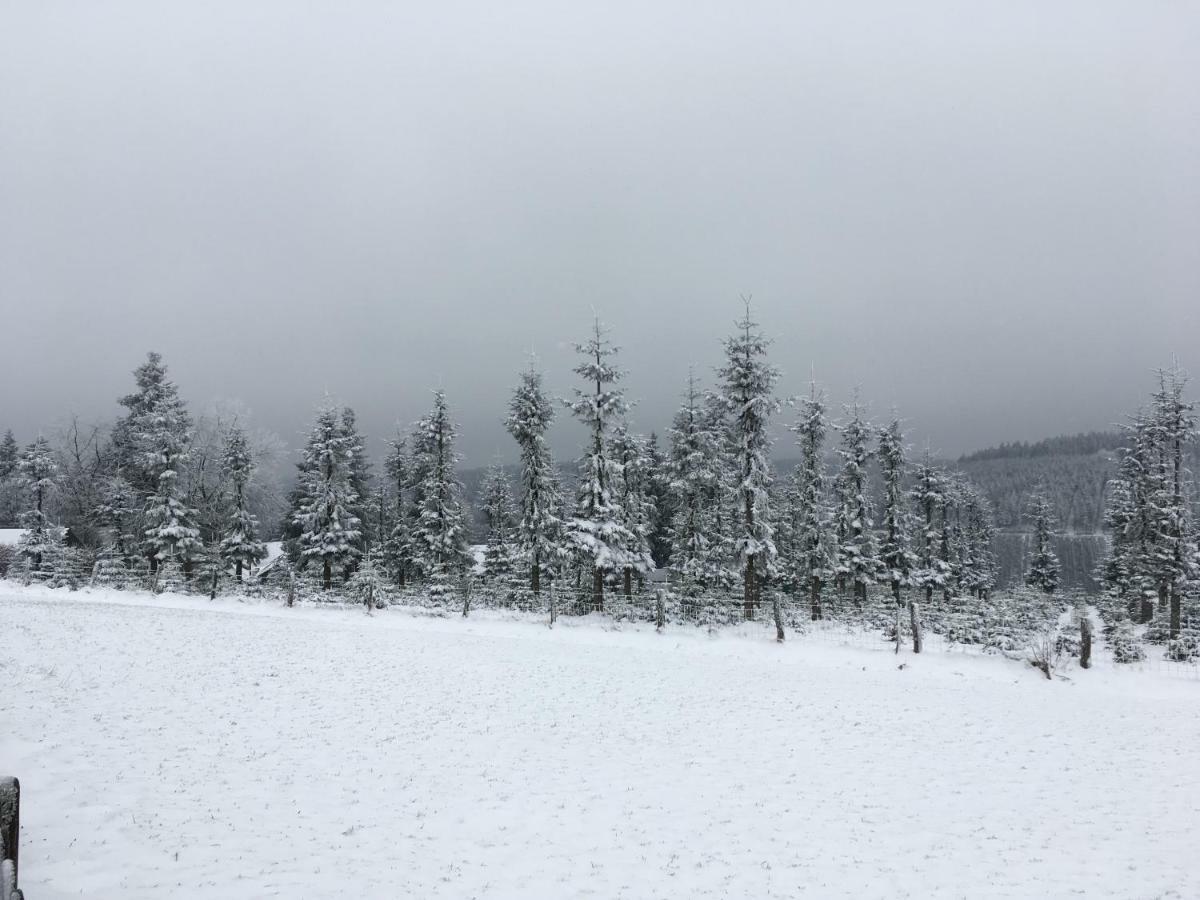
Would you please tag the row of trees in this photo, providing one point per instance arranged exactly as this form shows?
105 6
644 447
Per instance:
709 509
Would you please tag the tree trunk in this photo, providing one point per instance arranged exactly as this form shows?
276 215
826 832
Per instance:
535 577
929 595
1176 613
326 573
597 589
914 619
238 570
815 598
628 584
212 588
1085 640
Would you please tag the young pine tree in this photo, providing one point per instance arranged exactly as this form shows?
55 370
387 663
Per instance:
928 493
1044 567
397 551
898 560
240 547
694 481
748 381
858 560
500 518
439 535
330 532
596 533
636 504
539 530
814 540
37 469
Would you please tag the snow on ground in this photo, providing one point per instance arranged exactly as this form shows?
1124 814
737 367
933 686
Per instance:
169 747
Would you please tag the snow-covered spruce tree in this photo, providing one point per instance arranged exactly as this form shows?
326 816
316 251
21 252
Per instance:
658 489
595 533
858 560
367 584
814 541
929 486
1044 567
539 531
1173 428
895 552
37 469
500 517
977 565
747 383
635 503
161 430
10 454
240 547
948 541
329 529
397 551
360 481
118 512
439 534
694 473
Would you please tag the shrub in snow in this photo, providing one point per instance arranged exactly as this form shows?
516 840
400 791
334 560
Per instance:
1125 644
1184 648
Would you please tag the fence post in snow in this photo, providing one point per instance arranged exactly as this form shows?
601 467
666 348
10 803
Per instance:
10 829
1085 640
915 619
553 605
660 611
778 616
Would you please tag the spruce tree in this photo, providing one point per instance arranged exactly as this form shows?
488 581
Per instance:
858 561
10 455
928 496
1044 567
240 547
748 381
397 553
37 469
500 518
159 427
895 554
694 481
636 504
540 527
595 533
814 539
439 535
658 489
330 532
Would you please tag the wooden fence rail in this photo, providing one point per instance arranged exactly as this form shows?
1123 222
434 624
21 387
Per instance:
10 833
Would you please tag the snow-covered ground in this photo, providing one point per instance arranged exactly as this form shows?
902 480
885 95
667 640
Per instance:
172 747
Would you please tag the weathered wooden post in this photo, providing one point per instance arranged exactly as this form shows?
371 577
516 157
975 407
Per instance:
660 611
10 832
1085 640
778 613
553 603
291 595
914 618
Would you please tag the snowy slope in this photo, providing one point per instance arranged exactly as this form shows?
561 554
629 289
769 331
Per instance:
175 748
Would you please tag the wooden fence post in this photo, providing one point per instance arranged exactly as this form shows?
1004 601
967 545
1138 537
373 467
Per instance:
1085 640
915 618
660 611
10 826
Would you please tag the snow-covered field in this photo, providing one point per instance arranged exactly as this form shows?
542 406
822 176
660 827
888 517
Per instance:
169 747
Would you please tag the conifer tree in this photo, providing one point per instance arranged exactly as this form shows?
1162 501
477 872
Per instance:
595 533
360 481
658 490
748 381
895 553
635 503
814 539
694 480
500 518
858 561
330 532
159 427
1044 567
10 455
439 534
37 469
397 548
240 547
540 527
928 497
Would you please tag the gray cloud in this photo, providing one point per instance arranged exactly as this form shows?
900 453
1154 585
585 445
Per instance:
986 214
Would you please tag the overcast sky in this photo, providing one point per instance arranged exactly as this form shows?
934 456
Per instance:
987 214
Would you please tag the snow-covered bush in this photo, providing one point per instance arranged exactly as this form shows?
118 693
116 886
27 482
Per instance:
1125 644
